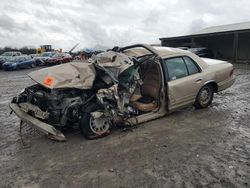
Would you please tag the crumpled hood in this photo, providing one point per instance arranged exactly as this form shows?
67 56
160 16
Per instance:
81 75
70 75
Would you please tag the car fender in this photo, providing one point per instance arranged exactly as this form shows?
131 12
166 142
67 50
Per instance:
213 82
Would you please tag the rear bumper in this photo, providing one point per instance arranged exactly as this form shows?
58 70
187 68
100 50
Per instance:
227 83
51 131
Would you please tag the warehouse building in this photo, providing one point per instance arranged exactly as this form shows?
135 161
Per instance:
227 42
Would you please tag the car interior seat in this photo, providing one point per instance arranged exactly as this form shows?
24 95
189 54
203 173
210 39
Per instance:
147 99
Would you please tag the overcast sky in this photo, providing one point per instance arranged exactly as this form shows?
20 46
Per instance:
63 23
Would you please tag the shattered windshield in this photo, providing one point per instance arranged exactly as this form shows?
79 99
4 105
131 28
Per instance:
113 63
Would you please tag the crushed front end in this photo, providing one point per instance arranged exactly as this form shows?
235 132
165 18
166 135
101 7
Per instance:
94 95
53 110
55 102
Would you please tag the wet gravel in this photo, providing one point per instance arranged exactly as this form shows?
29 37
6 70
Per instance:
188 148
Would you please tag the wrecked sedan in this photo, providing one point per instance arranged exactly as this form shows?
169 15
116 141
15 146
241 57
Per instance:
124 86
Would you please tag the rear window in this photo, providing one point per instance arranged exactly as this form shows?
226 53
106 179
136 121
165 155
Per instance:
191 65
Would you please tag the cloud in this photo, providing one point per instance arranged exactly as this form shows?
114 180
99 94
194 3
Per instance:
7 23
64 23
197 25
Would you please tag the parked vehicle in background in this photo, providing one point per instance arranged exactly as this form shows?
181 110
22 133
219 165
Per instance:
202 52
34 55
11 54
7 56
19 62
128 86
3 60
59 58
43 58
183 48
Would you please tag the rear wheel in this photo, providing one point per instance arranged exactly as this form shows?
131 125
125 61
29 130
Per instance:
94 126
204 97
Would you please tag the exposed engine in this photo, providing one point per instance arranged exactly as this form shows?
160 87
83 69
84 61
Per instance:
58 107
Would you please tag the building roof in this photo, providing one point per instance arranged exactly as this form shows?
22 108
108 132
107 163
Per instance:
217 29
224 28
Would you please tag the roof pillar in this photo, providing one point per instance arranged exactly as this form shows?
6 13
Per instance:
192 42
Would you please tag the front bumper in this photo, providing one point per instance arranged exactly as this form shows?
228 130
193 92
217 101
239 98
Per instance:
51 131
8 67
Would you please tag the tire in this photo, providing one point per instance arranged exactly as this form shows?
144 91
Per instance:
204 97
33 65
86 124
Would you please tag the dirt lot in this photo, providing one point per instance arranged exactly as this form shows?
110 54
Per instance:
188 148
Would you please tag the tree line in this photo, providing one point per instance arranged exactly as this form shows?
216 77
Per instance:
23 50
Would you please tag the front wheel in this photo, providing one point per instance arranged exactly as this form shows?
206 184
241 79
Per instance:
33 65
94 124
204 97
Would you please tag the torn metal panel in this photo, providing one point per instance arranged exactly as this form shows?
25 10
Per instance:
113 63
28 107
43 127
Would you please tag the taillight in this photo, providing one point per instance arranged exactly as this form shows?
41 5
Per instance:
232 72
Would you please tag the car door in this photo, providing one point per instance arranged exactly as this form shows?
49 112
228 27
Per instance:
184 80
23 63
27 62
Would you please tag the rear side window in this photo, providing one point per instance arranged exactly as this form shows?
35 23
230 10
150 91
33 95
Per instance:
191 65
176 68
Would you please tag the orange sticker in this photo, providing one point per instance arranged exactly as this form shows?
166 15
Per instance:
48 81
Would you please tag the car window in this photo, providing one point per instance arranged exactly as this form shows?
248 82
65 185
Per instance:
7 54
57 55
191 66
23 59
176 68
45 54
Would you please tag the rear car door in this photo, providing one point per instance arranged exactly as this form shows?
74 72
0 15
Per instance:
184 80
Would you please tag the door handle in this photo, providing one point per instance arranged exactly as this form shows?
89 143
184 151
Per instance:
198 80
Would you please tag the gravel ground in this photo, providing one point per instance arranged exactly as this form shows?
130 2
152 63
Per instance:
188 148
